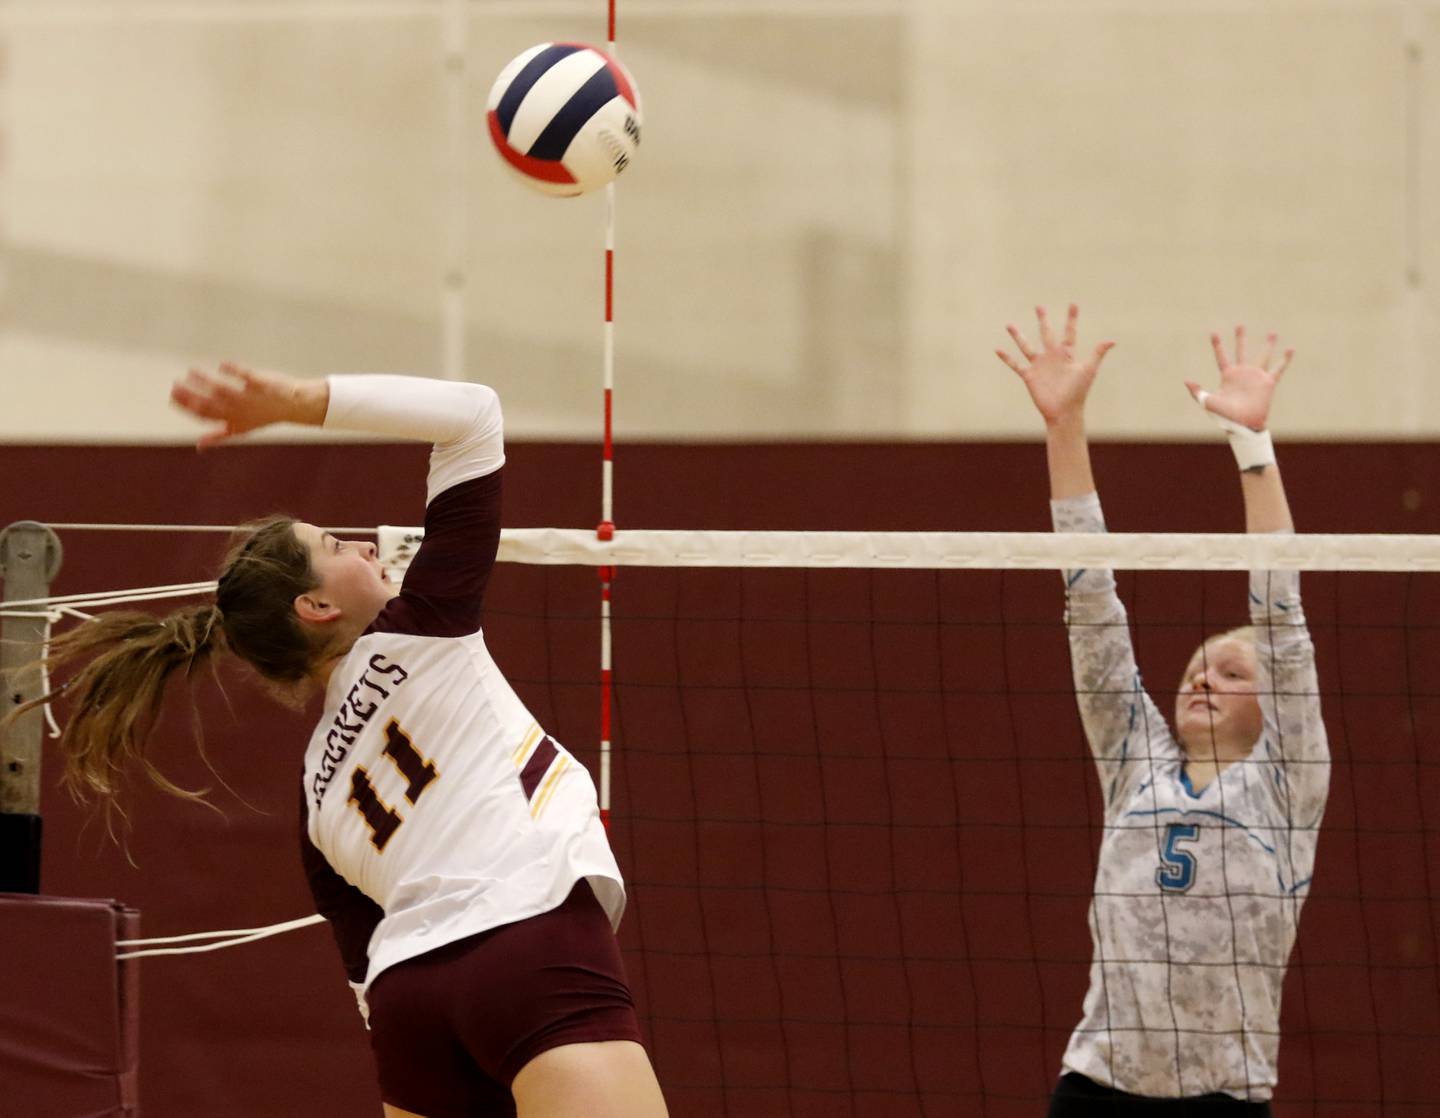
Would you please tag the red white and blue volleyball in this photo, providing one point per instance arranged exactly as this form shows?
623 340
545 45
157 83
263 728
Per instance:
565 117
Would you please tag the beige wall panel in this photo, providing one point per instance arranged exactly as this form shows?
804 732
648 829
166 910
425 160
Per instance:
1421 339
1173 169
304 157
183 192
748 230
834 211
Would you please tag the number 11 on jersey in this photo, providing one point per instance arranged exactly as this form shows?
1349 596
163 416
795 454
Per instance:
383 819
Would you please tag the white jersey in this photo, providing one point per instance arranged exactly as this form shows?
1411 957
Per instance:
1197 895
434 805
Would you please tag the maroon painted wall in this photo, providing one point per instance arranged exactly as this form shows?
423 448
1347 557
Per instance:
859 844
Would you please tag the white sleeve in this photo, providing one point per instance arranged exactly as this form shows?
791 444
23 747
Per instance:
463 420
1126 731
1294 748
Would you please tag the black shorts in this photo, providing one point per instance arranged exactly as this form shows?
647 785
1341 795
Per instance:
1078 1097
451 1028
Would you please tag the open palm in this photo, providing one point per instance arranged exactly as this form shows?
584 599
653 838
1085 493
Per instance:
1246 390
1058 381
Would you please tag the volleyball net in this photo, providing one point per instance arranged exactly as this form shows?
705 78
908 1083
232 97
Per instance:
859 819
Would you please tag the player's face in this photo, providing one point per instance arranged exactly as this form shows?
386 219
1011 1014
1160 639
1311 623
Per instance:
350 574
1217 703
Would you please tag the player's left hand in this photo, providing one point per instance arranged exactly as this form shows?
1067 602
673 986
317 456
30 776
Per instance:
1245 389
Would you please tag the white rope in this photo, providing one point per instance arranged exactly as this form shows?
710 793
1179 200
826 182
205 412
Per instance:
229 933
50 722
112 597
236 938
187 528
49 617
43 615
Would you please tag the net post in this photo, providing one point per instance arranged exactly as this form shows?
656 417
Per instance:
30 555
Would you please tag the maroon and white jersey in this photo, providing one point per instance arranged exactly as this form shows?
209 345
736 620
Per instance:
434 805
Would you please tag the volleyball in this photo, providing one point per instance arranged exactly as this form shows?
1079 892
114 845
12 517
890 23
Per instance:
565 117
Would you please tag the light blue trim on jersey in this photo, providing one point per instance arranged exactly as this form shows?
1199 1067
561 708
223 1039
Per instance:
1277 770
1190 788
1255 599
1124 745
1214 815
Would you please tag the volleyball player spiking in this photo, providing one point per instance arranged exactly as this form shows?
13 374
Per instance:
1210 827
454 846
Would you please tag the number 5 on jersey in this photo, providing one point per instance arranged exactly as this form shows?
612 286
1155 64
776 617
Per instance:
384 820
1176 872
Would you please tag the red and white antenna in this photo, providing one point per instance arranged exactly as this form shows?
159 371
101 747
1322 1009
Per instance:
606 529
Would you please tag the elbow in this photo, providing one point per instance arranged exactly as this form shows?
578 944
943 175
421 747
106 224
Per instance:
484 400
481 410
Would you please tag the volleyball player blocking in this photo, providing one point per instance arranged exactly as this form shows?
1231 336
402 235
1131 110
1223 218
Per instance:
1210 827
455 848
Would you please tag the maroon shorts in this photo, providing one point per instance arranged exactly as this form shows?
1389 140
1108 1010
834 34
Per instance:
451 1028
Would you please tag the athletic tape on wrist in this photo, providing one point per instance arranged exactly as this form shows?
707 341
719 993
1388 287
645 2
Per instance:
1253 449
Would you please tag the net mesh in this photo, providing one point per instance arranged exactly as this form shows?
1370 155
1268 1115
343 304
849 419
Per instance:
859 821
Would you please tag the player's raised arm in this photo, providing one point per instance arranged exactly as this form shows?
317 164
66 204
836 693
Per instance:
1123 726
1287 686
1241 405
1059 383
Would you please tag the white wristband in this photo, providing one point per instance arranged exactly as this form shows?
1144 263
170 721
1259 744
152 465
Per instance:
1253 449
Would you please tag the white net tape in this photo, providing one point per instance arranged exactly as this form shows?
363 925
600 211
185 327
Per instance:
949 550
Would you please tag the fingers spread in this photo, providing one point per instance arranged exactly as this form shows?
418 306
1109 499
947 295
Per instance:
1240 344
1005 357
1220 358
1025 350
1047 339
1269 350
1199 394
195 400
1070 320
213 438
240 372
1100 351
1284 363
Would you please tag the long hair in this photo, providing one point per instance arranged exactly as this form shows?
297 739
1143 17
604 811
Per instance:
124 660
